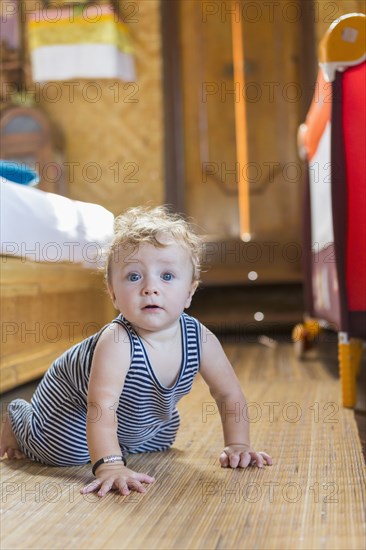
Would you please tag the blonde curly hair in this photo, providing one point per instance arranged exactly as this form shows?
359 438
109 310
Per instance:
140 224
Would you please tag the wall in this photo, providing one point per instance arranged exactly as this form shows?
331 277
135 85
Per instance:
114 130
272 91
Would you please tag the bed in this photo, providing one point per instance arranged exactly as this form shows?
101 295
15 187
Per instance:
52 292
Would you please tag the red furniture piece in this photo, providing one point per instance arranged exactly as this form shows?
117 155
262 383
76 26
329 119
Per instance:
333 143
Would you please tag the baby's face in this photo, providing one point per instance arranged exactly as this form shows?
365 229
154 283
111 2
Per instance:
152 286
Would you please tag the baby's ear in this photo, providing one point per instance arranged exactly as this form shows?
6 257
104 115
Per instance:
192 290
194 287
112 295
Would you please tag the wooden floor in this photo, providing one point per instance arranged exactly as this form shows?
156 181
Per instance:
313 497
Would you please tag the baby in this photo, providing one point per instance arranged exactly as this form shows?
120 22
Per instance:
116 392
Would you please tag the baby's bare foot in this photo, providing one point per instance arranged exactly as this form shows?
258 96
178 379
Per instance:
8 443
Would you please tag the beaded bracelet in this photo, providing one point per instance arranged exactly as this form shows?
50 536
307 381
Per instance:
108 460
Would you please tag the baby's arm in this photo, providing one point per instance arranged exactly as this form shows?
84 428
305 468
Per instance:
224 387
109 369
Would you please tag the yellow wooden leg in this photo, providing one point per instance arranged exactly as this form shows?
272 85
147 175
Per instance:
346 371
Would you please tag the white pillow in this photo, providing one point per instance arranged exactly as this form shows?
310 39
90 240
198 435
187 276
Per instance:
46 227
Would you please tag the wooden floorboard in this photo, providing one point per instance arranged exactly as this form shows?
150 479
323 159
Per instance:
313 497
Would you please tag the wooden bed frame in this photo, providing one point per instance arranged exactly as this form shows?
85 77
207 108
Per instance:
46 308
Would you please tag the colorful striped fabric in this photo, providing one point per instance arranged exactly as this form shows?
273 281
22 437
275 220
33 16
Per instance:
71 42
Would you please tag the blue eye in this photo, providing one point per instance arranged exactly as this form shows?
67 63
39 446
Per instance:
133 277
167 276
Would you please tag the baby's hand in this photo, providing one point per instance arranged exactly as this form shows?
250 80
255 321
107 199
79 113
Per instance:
241 456
116 476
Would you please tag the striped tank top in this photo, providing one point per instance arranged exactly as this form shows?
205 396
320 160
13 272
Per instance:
148 419
52 428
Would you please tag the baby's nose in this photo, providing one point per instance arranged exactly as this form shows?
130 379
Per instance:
150 289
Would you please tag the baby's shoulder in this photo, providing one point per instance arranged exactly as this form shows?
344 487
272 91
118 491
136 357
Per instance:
114 338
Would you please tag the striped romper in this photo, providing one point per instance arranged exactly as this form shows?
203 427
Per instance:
52 428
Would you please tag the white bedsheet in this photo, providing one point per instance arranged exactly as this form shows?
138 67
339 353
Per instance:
45 227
